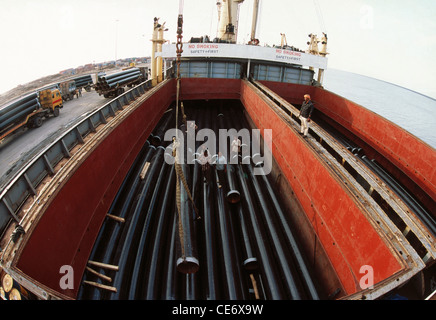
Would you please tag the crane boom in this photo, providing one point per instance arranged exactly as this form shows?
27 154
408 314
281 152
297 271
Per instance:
228 20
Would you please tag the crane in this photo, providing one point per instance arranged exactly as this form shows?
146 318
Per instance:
228 20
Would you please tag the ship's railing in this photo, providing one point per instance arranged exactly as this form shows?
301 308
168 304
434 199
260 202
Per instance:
24 184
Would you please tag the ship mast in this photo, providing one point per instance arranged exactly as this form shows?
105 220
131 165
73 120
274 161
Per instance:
157 41
228 20
253 39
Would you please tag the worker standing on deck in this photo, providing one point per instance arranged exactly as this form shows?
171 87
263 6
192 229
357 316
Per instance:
221 164
305 113
236 149
205 159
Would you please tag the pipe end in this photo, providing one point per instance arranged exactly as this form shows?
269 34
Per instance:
188 265
233 196
250 264
155 140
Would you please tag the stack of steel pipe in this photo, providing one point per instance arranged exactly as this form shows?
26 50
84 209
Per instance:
129 248
110 234
83 81
266 259
118 79
266 197
147 233
164 124
18 109
237 247
153 271
261 181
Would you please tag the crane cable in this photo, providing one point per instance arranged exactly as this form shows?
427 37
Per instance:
179 172
179 51
320 17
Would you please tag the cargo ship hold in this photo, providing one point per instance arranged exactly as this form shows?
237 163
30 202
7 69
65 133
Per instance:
113 209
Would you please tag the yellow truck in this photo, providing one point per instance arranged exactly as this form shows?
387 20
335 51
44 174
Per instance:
29 111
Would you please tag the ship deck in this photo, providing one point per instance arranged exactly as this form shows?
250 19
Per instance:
341 215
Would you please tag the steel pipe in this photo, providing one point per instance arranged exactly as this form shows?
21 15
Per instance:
282 256
147 231
108 226
117 74
232 282
273 286
403 194
250 261
118 77
122 82
19 116
233 195
187 259
122 277
153 272
209 271
107 248
18 102
159 132
189 282
10 113
170 285
189 287
288 235
122 79
83 80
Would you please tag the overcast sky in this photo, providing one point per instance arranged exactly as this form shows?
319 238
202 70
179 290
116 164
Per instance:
391 40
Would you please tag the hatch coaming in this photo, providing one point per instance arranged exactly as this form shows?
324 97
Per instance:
339 235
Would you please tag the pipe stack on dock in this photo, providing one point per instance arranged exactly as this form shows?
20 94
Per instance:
118 79
18 109
243 247
83 81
